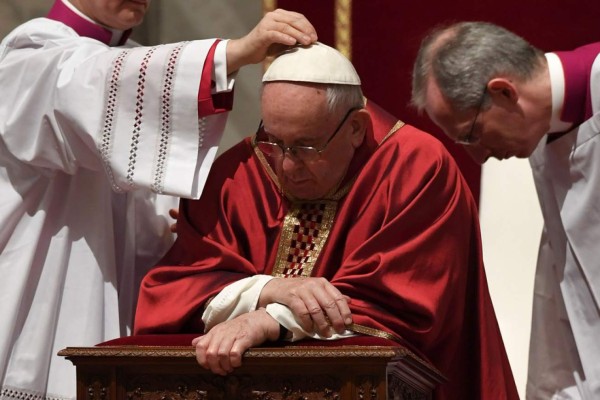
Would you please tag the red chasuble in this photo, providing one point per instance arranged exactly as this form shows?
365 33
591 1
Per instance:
400 237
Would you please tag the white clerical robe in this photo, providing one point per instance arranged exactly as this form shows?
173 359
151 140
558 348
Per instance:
565 339
91 136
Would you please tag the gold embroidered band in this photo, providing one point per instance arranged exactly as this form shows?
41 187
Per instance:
305 230
365 330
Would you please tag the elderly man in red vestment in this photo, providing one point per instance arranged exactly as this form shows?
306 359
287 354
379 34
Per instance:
333 220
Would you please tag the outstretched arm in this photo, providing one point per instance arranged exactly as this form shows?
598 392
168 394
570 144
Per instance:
277 28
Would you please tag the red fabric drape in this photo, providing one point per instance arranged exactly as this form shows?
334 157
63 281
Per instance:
403 244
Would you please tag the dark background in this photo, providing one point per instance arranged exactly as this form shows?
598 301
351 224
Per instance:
386 35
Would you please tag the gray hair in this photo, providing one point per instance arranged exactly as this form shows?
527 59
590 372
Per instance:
462 58
340 98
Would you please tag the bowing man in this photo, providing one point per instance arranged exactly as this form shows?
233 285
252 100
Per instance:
335 219
499 96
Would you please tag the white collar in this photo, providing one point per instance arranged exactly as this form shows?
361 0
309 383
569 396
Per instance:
557 85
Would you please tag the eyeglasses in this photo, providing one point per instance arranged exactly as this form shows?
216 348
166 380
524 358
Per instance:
303 153
470 138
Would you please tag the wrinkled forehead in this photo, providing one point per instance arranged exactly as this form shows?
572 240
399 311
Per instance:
310 96
294 112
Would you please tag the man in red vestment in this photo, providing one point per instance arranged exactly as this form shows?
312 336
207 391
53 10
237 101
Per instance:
334 220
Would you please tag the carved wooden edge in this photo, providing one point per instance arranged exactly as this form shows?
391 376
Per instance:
283 352
417 371
396 355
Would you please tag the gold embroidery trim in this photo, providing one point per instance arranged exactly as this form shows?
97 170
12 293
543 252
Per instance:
399 124
365 330
263 160
288 236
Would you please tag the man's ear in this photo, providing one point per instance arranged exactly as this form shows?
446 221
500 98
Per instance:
503 89
359 123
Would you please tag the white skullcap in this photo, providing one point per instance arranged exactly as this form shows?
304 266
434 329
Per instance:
316 63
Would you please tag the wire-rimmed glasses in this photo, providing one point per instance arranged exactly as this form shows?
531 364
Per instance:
470 138
303 153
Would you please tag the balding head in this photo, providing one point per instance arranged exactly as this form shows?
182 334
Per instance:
462 58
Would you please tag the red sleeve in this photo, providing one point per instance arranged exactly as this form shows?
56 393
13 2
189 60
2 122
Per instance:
209 103
210 252
404 247
411 262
